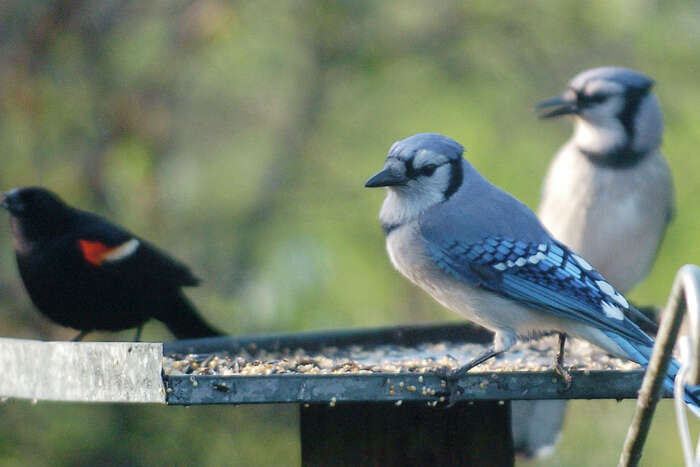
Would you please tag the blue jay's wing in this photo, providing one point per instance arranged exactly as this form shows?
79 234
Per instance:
544 276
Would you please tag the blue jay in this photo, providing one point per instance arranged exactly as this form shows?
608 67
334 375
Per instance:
609 187
483 254
608 195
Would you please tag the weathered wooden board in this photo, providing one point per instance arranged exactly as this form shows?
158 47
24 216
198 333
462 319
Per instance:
81 371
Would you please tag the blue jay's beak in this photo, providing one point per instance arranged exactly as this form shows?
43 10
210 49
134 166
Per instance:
11 202
563 106
386 177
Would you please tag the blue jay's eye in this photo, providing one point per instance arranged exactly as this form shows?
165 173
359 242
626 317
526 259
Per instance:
594 99
428 170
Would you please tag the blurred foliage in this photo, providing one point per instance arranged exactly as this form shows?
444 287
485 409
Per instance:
238 136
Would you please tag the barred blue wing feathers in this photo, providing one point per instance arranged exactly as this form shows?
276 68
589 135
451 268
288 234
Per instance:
545 276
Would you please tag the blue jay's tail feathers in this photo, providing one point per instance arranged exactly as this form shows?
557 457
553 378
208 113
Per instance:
692 393
641 353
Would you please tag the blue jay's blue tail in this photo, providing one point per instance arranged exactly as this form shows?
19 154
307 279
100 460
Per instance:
641 353
692 393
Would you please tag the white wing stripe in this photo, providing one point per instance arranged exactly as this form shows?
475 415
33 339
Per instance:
122 251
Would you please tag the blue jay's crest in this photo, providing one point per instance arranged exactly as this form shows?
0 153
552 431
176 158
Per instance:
623 76
545 276
407 148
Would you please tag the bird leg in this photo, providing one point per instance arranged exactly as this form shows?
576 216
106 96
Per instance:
80 336
481 358
452 376
559 366
137 337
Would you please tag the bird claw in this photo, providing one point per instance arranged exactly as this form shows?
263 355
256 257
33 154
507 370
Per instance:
455 392
80 336
564 375
445 372
450 377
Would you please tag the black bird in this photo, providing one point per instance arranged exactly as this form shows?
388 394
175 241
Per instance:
84 272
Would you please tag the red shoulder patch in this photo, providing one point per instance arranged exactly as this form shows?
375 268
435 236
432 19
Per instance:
94 252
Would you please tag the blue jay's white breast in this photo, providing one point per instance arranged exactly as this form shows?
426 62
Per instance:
613 217
507 319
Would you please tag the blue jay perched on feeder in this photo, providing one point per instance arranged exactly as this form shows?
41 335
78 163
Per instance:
483 254
608 195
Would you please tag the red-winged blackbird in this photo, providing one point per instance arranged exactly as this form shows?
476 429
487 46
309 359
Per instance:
88 274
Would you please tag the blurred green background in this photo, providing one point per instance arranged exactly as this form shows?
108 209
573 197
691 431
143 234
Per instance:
239 135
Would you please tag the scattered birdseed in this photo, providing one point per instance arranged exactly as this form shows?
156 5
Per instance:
529 356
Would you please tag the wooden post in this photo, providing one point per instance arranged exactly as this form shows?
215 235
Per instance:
384 435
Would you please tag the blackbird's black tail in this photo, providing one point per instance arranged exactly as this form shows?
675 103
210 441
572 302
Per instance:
183 320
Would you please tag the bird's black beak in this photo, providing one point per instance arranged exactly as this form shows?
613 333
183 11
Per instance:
564 106
387 177
4 201
11 202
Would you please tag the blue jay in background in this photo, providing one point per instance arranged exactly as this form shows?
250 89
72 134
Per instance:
483 254
609 187
608 195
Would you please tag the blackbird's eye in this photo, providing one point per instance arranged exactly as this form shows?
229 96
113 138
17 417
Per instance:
27 197
428 170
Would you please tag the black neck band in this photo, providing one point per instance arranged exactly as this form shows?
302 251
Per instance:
621 158
455 177
633 99
624 156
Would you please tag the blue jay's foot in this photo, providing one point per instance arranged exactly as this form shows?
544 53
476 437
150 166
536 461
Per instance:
559 366
444 372
565 376
137 337
449 380
452 376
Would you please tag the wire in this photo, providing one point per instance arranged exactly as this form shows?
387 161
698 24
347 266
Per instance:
683 345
